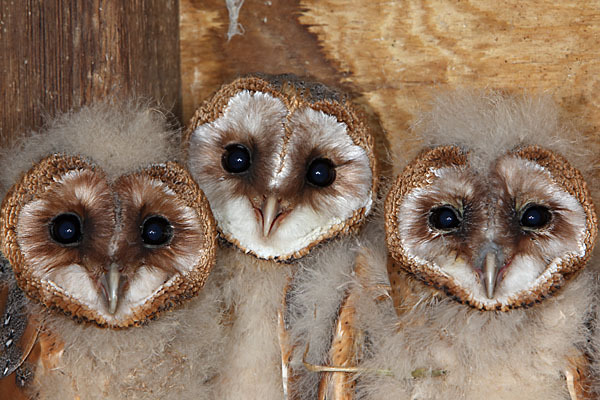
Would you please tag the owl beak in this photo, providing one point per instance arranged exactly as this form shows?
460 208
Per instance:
271 210
490 273
111 283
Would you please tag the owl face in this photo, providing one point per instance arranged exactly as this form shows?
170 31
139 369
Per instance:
498 239
113 252
283 168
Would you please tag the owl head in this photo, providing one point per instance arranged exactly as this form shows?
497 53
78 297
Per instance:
284 163
492 213
103 227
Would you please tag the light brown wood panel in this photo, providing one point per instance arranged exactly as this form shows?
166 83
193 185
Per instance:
273 42
56 55
393 54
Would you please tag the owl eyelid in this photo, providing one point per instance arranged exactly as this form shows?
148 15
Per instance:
74 225
543 212
436 220
242 158
156 231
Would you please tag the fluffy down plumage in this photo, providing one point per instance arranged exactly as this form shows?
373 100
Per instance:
273 216
170 357
122 136
429 346
440 349
332 283
251 293
490 123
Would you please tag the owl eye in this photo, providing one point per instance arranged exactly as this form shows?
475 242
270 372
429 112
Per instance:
65 229
156 231
321 172
236 158
444 218
535 217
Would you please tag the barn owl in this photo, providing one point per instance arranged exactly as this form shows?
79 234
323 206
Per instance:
489 231
104 234
286 166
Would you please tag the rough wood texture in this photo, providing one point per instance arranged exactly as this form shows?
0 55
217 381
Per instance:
273 42
391 54
56 55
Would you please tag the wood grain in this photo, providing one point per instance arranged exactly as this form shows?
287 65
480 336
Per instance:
57 55
273 42
392 54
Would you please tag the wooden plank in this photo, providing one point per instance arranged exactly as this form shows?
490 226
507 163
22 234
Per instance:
391 54
273 42
57 55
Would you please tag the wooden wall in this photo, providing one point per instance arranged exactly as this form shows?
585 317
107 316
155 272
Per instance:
56 55
391 54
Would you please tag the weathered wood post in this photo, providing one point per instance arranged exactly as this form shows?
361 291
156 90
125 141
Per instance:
56 55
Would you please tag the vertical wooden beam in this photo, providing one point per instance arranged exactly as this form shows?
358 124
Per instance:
56 55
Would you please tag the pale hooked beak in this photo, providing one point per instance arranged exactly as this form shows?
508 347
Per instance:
271 209
490 273
111 282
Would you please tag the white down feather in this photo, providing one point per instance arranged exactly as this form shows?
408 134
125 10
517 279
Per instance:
173 357
519 354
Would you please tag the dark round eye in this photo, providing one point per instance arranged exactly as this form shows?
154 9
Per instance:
156 231
236 158
444 218
535 217
321 172
65 229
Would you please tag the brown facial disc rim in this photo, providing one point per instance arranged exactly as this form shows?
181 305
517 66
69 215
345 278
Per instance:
420 172
32 184
182 288
294 97
36 181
